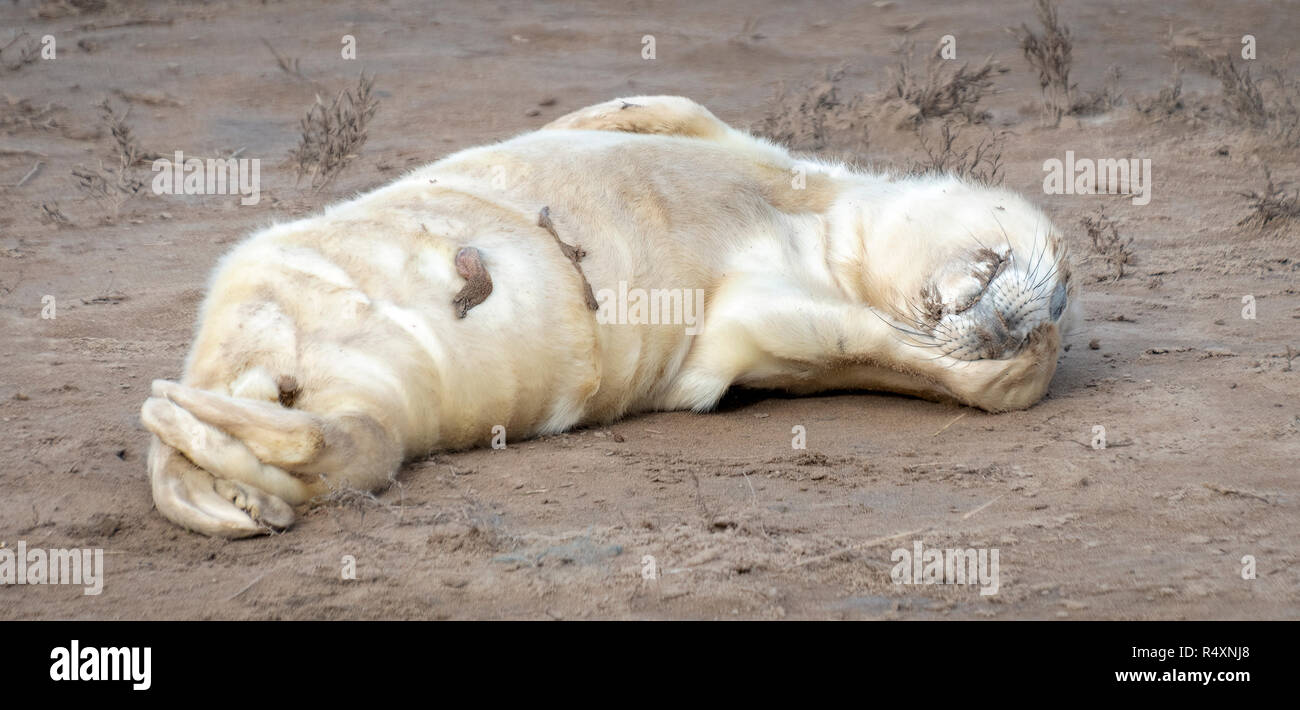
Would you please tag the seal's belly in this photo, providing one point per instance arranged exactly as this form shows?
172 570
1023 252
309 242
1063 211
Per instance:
365 292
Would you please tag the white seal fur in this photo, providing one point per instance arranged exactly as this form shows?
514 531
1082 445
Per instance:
328 349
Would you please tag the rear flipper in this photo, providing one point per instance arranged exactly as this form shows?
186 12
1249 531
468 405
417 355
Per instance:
234 467
190 497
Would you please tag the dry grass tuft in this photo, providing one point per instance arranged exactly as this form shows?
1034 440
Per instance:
332 135
289 65
980 162
108 186
1095 102
1241 92
941 91
1049 54
1108 244
356 499
1273 204
128 148
1270 105
1168 101
814 117
1283 107
16 114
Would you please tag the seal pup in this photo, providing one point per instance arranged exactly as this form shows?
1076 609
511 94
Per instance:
430 313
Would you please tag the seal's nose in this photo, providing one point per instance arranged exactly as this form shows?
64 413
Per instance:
992 330
1058 301
1005 313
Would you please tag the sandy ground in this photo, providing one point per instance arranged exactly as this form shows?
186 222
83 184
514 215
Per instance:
1200 405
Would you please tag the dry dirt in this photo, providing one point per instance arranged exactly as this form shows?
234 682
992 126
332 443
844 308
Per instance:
1199 404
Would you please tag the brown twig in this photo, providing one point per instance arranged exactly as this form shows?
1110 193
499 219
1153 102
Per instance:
859 546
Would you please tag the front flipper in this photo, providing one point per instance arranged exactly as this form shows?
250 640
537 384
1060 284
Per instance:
761 330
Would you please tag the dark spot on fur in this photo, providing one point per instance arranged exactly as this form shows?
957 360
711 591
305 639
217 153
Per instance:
289 390
478 283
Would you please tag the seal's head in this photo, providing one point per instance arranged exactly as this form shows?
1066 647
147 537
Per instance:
997 293
985 277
